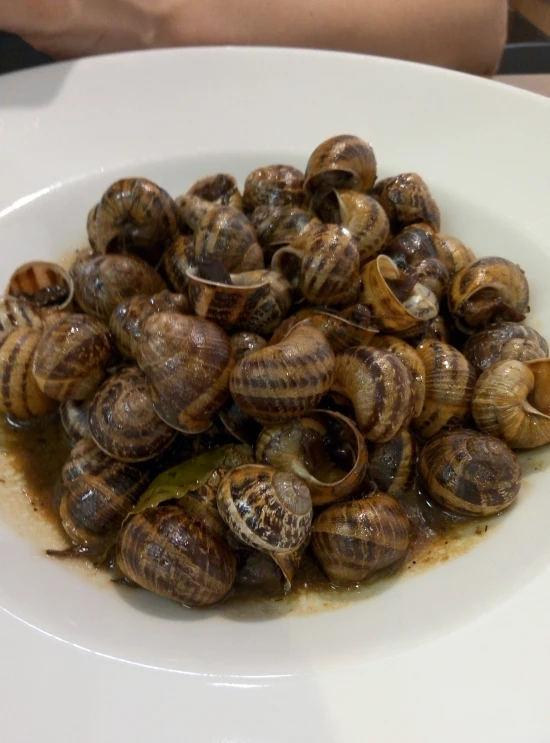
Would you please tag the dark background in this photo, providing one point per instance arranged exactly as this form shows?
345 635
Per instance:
527 50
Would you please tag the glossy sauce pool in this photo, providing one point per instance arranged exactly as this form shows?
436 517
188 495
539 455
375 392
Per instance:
33 458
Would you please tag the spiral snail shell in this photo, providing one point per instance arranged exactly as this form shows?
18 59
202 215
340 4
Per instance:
268 510
511 400
506 340
71 357
469 472
219 189
74 419
380 389
324 449
286 379
42 284
354 539
187 361
176 259
410 360
344 161
273 185
226 234
280 225
407 199
173 555
392 464
18 313
122 420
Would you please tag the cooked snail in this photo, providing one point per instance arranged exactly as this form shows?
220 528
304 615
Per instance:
71 357
18 313
226 234
342 328
268 510
324 449
274 185
392 464
506 340
345 161
411 361
469 472
407 199
74 419
511 400
42 284
353 540
220 189
486 291
280 225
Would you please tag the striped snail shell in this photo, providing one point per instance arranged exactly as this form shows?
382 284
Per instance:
352 540
245 342
450 380
173 555
42 284
187 361
488 290
20 396
274 185
329 272
74 418
410 360
342 329
103 282
511 400
254 301
98 495
469 472
71 358
454 254
506 340
18 313
127 319
122 420
344 161
286 379
360 214
324 449
219 189
136 216
392 464
407 199
379 387
268 510
226 234
176 259
399 304
280 225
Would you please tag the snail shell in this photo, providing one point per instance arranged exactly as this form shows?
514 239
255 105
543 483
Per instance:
134 216
127 319
354 539
176 259
106 281
18 313
268 510
99 493
344 161
407 199
220 189
42 284
187 361
454 254
329 271
506 340
226 234
280 225
361 215
91 228
324 449
411 361
392 464
122 420
470 473
398 304
71 358
344 329
286 379
20 396
255 301
379 387
74 418
173 555
511 400
416 251
488 290
450 380
274 185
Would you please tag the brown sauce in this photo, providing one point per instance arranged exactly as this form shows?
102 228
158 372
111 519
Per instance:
34 455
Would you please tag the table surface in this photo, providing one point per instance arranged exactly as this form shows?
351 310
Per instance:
534 83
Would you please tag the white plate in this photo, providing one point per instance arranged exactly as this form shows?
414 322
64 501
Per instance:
456 653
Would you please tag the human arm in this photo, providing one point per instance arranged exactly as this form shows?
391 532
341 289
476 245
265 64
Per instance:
463 34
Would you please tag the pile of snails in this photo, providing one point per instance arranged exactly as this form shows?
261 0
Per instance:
251 377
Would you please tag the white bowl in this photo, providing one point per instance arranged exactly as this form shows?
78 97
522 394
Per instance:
434 656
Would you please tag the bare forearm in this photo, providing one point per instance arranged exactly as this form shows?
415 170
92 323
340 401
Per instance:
464 34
